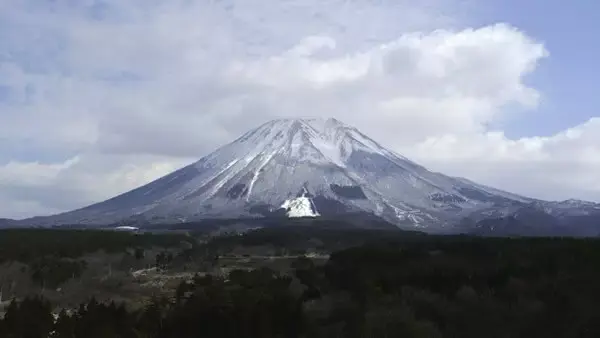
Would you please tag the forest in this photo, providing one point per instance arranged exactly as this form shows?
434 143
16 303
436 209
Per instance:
54 256
402 285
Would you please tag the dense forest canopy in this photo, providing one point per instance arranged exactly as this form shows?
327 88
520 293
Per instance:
30 244
374 284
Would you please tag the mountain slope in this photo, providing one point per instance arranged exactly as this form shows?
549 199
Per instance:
539 218
301 167
6 222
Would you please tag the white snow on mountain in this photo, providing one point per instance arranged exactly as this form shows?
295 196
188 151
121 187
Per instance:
309 167
301 206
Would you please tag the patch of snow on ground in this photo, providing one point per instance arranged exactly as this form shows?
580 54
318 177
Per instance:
127 228
300 207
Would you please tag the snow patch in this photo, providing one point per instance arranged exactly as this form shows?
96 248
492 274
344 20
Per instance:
329 150
221 183
367 144
256 174
300 207
127 228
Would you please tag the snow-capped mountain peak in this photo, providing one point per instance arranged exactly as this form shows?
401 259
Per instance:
336 168
321 141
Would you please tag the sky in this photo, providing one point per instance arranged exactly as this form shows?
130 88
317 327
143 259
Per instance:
101 96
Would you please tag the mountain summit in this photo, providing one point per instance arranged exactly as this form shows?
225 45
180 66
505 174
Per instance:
302 167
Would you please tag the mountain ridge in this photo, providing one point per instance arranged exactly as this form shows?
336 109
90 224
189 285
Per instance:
7 222
264 170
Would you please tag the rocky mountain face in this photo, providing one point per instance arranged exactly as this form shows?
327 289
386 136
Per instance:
311 168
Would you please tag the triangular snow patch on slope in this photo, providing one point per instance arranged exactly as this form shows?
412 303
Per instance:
301 206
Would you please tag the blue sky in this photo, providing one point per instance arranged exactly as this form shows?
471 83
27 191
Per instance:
101 96
569 78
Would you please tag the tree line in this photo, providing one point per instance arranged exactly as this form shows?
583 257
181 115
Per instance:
26 245
444 287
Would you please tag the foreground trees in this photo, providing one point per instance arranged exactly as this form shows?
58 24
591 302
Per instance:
442 287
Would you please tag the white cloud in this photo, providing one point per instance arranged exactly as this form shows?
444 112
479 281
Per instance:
420 85
556 167
77 182
152 86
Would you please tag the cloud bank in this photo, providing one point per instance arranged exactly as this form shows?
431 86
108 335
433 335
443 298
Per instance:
99 97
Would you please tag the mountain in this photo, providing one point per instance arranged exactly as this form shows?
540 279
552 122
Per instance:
5 222
565 218
303 168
